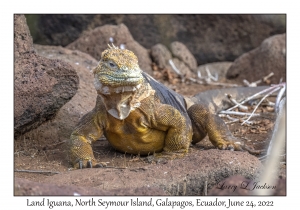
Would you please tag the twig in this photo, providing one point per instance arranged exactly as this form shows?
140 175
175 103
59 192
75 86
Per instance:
175 68
45 155
32 171
210 76
222 84
125 160
205 188
263 157
198 74
277 88
211 83
244 108
268 103
195 80
279 96
184 187
206 79
238 113
102 153
255 95
233 120
254 84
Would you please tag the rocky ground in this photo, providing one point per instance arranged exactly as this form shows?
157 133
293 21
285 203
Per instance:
59 90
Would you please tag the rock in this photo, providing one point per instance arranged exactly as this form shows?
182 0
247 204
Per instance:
184 176
269 57
219 68
182 67
62 125
180 51
210 38
23 187
41 86
57 29
94 42
22 39
161 56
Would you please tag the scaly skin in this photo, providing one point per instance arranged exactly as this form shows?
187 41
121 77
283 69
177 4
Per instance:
131 116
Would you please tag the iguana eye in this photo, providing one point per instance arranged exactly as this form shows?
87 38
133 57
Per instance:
111 64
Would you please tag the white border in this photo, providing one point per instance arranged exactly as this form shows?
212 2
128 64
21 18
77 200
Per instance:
153 6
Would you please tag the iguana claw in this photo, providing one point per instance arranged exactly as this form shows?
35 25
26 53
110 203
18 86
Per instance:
89 164
80 164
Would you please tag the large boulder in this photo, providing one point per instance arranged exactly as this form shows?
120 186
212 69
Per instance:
61 126
41 86
210 38
269 57
94 42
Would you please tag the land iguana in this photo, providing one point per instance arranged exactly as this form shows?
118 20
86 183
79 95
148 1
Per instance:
139 115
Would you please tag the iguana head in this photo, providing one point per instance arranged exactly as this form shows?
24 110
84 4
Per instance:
119 82
118 69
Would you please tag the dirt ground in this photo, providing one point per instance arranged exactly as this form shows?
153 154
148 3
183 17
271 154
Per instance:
39 163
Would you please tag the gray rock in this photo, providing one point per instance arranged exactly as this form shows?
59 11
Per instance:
161 55
180 51
269 57
41 86
210 38
182 67
94 42
219 68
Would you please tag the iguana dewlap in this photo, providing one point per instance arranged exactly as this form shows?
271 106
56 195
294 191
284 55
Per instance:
138 115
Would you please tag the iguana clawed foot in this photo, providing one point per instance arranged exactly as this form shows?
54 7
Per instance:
89 164
229 145
84 164
237 145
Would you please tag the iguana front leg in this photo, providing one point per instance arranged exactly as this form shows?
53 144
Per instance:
80 151
205 123
178 132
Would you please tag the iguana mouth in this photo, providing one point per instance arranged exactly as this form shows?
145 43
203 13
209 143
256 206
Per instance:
131 85
117 80
120 78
